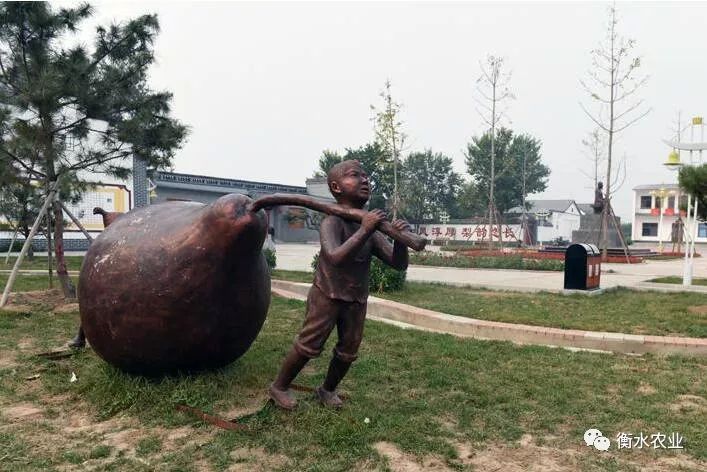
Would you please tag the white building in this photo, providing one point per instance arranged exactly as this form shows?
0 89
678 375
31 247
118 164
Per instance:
556 218
647 204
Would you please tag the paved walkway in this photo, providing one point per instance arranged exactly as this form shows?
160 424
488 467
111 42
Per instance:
299 257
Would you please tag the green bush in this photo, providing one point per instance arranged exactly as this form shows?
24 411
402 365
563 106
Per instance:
270 258
381 277
486 262
16 247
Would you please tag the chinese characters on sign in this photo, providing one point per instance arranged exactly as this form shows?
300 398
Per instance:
469 232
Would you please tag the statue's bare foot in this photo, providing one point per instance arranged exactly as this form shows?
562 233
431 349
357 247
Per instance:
330 399
282 398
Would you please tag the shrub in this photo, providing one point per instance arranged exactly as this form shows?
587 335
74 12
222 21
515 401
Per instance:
270 258
486 262
381 277
16 247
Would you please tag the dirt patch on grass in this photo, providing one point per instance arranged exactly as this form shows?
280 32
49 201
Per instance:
79 422
12 308
251 406
125 440
256 460
21 412
527 456
399 461
670 464
66 308
25 344
698 309
7 361
51 299
689 404
645 389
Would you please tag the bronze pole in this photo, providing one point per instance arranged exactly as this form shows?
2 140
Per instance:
407 238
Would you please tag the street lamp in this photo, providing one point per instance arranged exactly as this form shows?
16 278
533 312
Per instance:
673 163
661 194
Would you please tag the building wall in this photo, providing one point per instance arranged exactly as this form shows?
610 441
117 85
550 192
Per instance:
565 223
282 219
641 216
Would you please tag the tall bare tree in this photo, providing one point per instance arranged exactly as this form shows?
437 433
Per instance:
612 84
493 90
595 152
389 135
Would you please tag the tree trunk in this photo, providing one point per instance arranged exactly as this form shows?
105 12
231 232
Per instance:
67 286
607 196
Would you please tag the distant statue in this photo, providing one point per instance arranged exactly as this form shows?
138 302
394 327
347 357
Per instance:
598 199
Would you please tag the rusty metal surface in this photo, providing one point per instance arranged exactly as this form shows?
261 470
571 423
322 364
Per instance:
178 286
409 239
108 216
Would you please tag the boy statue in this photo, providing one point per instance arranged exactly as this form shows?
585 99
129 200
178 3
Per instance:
340 290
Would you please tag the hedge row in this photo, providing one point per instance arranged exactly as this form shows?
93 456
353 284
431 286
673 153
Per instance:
501 262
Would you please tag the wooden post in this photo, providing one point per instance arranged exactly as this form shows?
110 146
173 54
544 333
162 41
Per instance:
9 249
76 222
25 248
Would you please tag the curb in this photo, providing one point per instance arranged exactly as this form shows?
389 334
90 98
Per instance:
429 320
669 288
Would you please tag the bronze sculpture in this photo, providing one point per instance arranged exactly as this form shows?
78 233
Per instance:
108 217
184 286
340 290
599 200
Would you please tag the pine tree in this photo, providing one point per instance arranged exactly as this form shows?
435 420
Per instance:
78 109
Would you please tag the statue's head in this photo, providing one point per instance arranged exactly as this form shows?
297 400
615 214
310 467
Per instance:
600 185
349 182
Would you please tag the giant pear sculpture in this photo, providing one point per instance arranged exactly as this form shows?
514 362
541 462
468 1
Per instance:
183 286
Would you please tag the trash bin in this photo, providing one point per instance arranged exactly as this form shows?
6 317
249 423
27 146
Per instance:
582 267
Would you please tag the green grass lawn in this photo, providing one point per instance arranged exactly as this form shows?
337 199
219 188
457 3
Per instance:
678 280
622 310
40 262
27 282
433 397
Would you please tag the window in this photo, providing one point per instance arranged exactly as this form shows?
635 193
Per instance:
658 203
671 202
649 229
702 230
646 202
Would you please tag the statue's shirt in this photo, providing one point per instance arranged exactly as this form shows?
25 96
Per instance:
347 281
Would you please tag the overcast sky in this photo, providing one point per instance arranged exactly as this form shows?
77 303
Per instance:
265 87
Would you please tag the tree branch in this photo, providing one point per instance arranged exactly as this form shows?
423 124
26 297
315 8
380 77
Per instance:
618 130
600 125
